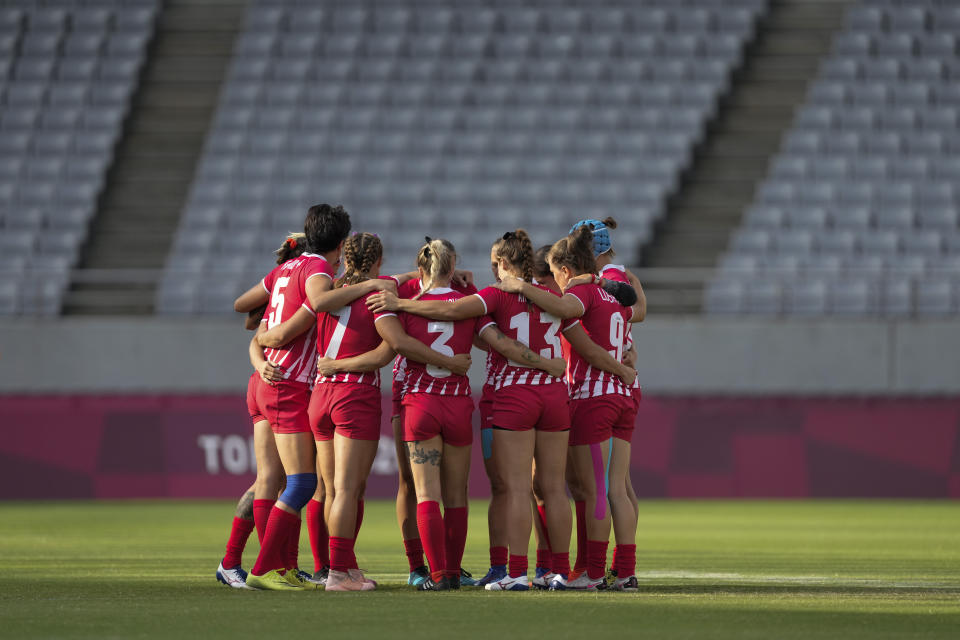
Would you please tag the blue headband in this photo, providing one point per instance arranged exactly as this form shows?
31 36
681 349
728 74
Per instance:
601 235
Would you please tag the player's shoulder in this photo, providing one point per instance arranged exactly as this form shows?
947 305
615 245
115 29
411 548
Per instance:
616 272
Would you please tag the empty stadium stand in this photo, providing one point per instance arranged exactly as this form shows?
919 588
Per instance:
457 120
66 77
858 214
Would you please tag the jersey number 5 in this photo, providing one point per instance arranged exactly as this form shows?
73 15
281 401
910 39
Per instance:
276 302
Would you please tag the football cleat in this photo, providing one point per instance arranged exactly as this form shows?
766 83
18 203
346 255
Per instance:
357 574
321 576
542 578
493 574
625 584
611 575
417 576
443 584
466 579
557 583
307 580
584 583
576 573
509 584
342 581
272 581
234 577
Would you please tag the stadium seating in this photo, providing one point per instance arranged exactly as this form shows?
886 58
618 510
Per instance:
859 212
66 76
459 120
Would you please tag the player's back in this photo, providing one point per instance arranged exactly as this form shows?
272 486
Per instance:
347 332
448 338
605 320
288 293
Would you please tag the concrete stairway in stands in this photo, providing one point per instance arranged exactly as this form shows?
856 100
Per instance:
792 39
155 161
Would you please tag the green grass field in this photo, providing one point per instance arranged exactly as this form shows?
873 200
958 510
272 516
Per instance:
706 570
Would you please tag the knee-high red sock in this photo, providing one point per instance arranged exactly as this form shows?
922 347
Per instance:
498 556
239 533
319 538
542 513
356 530
580 564
455 530
518 565
596 558
561 563
341 553
261 513
430 525
414 550
625 560
293 545
273 551
613 560
544 559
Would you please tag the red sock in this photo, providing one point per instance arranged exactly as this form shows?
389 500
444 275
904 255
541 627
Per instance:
455 538
561 563
544 559
498 556
261 513
430 525
625 560
239 533
273 551
613 560
341 553
518 565
319 538
542 512
596 558
293 545
414 549
580 564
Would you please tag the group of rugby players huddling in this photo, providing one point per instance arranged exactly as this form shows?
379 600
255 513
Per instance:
556 414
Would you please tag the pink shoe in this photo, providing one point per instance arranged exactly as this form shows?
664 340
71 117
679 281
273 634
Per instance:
340 581
357 574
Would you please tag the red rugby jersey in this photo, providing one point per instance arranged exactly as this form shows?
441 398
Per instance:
606 321
528 324
618 273
287 284
347 332
448 338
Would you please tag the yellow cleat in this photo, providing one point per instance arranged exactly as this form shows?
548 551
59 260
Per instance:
273 581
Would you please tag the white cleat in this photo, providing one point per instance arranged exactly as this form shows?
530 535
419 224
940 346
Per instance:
509 584
233 577
584 583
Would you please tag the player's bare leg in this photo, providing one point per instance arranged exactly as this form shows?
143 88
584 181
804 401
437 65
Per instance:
550 454
542 576
425 458
496 519
354 460
573 484
407 509
513 451
317 526
623 509
454 473
590 465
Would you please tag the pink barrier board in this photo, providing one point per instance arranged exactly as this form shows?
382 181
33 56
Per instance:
178 446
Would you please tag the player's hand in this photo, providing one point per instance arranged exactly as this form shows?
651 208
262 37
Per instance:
383 301
511 284
270 372
327 366
463 278
461 364
583 278
629 375
630 358
556 367
383 284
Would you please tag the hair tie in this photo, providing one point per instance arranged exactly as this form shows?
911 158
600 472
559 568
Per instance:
292 242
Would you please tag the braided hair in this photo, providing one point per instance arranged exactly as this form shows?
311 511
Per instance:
517 250
360 252
437 258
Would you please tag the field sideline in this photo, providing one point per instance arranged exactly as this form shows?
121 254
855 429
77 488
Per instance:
706 569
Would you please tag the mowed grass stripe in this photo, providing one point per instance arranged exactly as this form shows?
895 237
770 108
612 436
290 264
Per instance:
706 569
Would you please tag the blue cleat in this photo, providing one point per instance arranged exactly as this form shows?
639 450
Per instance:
418 576
234 577
467 579
493 575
